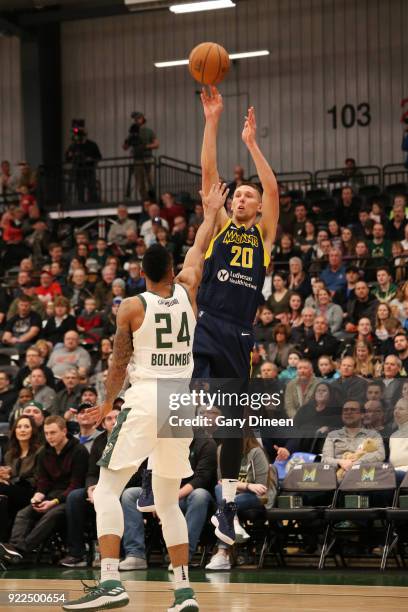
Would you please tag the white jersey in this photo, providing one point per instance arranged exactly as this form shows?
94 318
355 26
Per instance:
163 344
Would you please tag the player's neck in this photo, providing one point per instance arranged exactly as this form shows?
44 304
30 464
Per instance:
164 289
246 224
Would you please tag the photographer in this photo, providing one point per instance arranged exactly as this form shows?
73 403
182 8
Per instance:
141 141
84 155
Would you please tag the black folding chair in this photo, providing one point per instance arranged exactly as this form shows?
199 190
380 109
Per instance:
397 530
306 492
361 498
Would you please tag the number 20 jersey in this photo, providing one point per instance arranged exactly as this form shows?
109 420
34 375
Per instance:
163 343
234 274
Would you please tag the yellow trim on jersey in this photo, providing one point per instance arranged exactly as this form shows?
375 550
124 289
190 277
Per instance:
267 257
211 245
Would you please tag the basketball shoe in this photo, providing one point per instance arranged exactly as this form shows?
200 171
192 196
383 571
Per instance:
184 601
103 596
223 521
145 503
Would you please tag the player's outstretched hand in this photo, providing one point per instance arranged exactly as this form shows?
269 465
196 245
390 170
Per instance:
249 131
216 197
212 102
99 412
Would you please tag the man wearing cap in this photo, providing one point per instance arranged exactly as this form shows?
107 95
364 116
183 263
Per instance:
149 228
141 141
37 411
87 426
346 293
118 230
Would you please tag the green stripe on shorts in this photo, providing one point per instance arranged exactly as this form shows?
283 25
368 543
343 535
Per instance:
110 445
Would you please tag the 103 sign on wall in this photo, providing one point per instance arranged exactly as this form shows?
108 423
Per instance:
349 115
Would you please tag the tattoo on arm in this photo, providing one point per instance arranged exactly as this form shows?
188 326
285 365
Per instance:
122 352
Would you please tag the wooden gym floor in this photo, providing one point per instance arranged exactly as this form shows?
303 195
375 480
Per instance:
220 595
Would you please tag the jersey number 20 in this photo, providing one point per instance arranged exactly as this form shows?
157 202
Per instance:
166 330
242 257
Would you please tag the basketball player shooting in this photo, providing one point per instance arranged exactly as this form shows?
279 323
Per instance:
230 291
160 321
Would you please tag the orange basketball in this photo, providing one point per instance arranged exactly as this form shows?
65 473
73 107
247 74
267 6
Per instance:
209 63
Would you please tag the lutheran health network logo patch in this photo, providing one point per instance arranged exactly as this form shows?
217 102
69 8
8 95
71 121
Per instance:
223 275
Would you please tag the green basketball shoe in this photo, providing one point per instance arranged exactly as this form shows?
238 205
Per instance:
103 596
184 601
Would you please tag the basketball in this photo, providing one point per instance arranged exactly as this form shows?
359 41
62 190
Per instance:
209 63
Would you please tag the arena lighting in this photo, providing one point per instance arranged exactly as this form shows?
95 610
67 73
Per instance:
135 5
233 56
195 7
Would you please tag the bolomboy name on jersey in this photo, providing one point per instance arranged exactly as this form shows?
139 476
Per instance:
171 359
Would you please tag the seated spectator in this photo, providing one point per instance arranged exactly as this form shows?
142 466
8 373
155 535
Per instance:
399 440
198 215
330 311
363 356
33 359
334 276
362 305
90 322
295 310
36 411
374 418
306 242
43 394
60 323
171 209
290 372
68 356
163 238
342 296
25 395
78 290
256 490
121 225
36 304
87 426
348 243
383 334
278 351
62 466
239 178
326 368
283 251
302 333
320 342
48 288
70 395
314 420
300 390
109 325
392 382
298 280
135 283
8 397
349 439
317 284
334 234
105 351
385 290
278 301
146 230
103 290
195 500
24 328
349 385
79 504
56 255
348 207
263 330
379 246
400 341
17 476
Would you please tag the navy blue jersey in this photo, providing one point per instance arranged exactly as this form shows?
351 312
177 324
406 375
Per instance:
234 273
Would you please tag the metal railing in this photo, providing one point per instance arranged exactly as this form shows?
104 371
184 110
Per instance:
393 174
335 178
292 181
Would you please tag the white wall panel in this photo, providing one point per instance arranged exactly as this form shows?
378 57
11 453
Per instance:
11 128
323 53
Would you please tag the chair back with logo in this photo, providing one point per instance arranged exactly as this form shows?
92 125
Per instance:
307 477
369 477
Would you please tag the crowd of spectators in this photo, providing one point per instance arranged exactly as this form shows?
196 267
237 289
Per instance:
331 337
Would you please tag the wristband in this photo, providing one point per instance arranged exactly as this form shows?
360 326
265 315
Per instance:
56 500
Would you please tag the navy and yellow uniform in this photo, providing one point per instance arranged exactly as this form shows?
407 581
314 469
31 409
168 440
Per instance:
229 295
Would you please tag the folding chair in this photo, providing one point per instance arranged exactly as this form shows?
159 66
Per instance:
305 493
360 487
397 530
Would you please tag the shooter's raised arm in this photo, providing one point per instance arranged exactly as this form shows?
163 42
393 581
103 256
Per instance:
270 197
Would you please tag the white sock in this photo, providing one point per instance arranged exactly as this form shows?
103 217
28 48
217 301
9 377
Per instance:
229 489
110 570
181 577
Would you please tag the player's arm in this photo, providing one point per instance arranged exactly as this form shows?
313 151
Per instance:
213 107
190 274
270 198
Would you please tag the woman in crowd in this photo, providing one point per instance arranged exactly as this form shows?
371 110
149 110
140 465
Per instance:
397 303
295 310
308 241
278 351
17 476
383 314
163 238
334 233
256 490
278 301
105 351
333 313
348 243
283 252
298 280
60 322
363 355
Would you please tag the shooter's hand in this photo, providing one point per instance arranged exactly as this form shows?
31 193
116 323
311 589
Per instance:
212 103
249 131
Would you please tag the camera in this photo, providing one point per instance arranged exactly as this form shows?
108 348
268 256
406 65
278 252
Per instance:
78 132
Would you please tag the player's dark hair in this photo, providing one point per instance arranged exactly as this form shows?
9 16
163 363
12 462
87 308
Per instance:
156 262
255 186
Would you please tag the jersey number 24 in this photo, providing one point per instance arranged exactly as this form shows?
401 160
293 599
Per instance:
167 330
